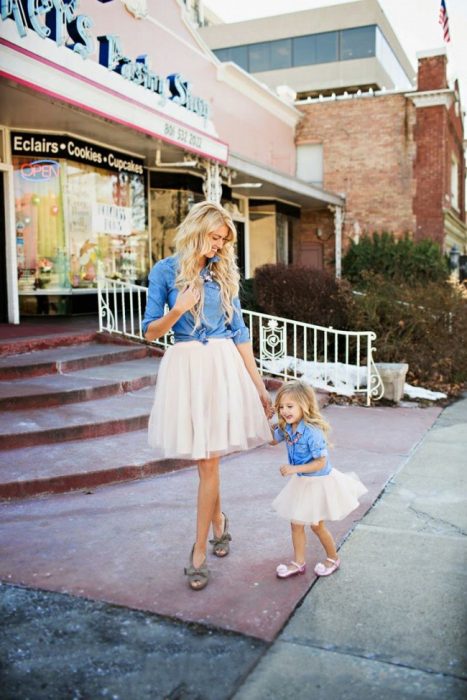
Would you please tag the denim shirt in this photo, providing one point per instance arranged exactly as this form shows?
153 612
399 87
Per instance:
305 445
162 291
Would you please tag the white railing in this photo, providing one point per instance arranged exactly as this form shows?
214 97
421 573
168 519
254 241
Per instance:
333 360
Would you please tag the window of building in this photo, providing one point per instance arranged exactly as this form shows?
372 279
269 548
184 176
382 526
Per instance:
327 45
358 42
258 57
237 54
281 54
311 49
304 50
310 163
454 183
72 220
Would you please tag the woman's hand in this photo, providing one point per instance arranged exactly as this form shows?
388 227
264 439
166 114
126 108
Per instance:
287 470
187 299
266 401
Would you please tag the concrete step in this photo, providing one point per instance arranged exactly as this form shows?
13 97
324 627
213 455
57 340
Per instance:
95 418
59 360
12 346
83 385
79 464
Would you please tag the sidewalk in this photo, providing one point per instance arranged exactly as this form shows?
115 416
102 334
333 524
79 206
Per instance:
392 622
387 625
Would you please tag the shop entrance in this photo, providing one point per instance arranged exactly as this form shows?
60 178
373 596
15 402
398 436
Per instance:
3 286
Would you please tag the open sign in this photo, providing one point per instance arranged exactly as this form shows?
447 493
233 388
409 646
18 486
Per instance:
40 170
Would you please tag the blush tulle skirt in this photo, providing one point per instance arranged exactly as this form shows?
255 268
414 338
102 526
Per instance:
205 403
308 499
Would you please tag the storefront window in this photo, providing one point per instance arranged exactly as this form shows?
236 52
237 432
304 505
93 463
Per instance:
168 209
72 217
107 225
40 225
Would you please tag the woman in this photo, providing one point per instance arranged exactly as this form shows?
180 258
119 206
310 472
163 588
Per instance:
210 398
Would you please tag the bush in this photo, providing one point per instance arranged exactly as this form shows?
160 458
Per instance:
399 260
423 325
247 295
302 294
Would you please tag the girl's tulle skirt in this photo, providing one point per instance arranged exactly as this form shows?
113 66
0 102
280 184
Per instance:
308 499
205 403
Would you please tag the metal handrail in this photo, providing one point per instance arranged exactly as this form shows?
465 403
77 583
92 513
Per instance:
335 360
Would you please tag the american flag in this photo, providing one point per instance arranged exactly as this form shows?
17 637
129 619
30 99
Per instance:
444 21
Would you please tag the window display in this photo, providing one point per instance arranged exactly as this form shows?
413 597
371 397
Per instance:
72 219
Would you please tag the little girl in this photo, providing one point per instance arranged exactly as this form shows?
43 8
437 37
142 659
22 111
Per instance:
316 492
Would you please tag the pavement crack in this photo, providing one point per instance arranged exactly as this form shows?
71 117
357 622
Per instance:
370 657
431 520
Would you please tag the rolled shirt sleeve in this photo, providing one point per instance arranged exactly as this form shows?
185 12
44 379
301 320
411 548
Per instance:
157 295
239 330
317 444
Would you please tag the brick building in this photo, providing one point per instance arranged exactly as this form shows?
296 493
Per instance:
389 141
398 158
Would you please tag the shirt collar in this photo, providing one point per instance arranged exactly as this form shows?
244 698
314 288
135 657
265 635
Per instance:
300 428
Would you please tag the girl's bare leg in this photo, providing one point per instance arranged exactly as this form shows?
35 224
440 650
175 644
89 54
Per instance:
299 544
208 497
326 540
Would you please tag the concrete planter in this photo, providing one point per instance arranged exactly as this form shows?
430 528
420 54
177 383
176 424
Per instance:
393 377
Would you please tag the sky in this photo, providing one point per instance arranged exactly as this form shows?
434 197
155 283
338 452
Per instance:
414 21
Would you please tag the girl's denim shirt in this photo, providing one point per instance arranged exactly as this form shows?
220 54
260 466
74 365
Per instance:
305 445
162 291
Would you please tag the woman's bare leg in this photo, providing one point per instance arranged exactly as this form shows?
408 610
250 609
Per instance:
208 498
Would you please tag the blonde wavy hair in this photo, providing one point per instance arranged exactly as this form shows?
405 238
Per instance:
192 242
305 397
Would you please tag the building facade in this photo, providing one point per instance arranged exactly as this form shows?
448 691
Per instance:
114 119
391 141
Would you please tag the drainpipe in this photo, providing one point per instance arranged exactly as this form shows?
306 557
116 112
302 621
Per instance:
338 221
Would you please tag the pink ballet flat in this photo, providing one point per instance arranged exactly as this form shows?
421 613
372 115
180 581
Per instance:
283 571
321 570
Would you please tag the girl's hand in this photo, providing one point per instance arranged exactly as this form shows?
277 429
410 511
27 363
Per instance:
287 470
187 299
266 401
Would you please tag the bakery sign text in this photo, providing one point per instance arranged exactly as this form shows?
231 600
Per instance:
59 21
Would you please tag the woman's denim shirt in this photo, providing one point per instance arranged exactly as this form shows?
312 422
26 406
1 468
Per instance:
305 445
162 291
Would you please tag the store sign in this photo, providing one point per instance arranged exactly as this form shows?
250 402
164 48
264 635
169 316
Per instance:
58 21
40 170
27 144
112 219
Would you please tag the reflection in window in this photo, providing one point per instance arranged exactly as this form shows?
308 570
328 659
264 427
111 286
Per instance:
281 54
74 219
168 209
327 47
304 50
258 56
358 42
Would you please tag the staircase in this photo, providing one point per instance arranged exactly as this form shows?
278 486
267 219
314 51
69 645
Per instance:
74 416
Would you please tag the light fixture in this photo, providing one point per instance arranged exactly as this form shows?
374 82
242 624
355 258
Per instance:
245 185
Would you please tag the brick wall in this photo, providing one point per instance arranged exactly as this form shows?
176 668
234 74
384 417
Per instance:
430 169
368 154
431 73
